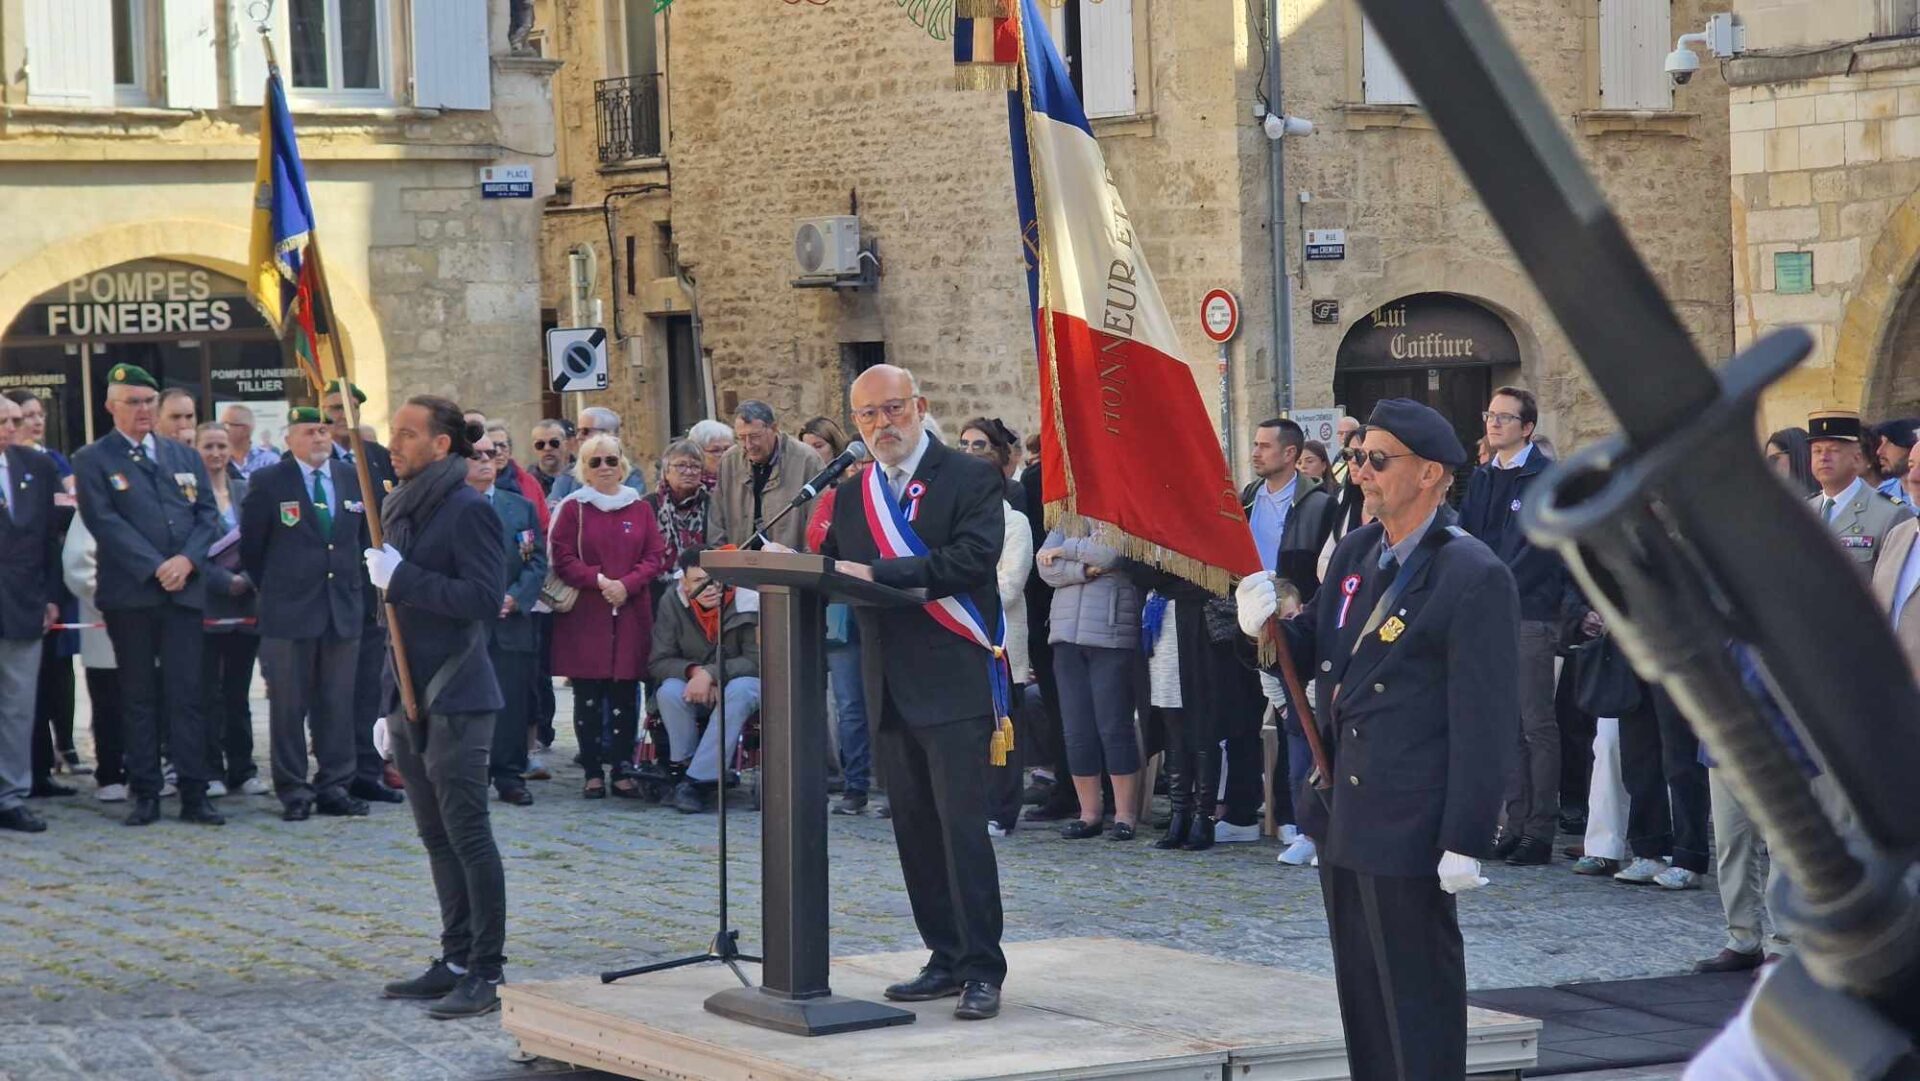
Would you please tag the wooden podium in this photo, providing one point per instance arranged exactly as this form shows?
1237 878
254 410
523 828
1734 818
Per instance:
794 590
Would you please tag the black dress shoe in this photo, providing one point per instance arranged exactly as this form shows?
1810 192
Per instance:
438 981
1504 843
1080 827
519 797
341 806
932 983
45 786
978 1001
1054 808
472 996
1200 834
1531 851
375 792
1730 960
196 807
22 819
146 810
297 811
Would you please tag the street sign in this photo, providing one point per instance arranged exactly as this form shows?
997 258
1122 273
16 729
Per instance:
577 359
1326 311
1320 424
1220 315
1325 244
506 182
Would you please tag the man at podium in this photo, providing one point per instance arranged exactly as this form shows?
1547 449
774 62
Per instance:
923 516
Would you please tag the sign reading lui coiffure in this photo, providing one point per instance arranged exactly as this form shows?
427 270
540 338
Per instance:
1428 330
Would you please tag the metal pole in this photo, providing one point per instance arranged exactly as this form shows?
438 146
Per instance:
1277 201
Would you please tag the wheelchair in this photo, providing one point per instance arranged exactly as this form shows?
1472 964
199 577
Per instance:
652 764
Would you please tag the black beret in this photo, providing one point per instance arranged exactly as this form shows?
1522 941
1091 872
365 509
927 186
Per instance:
1425 432
1899 432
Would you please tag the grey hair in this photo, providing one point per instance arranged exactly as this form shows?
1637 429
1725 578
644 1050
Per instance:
753 409
236 407
704 430
682 448
499 426
550 422
604 419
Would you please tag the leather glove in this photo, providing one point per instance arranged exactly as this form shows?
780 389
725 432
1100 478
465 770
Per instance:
1256 602
1458 873
381 563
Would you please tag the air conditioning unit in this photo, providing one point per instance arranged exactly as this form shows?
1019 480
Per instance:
827 247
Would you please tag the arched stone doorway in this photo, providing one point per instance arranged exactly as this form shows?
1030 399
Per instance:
1439 348
1893 389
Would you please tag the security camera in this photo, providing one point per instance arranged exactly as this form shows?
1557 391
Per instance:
1681 64
1283 127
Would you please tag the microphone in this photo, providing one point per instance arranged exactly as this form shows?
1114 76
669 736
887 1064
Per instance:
856 452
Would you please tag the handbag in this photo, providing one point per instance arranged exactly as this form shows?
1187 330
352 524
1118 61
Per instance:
555 593
1604 684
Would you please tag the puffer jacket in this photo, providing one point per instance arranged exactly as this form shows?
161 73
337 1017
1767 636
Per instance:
1100 611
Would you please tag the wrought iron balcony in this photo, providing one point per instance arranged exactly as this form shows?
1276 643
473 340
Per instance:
627 116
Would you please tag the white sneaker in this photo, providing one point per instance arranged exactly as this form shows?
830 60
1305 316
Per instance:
111 793
254 786
216 789
1677 878
1641 871
1289 833
1300 853
169 789
1315 863
1226 833
994 830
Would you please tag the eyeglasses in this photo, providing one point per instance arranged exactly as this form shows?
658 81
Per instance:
145 401
585 432
1377 459
684 467
549 444
975 444
895 408
609 462
500 451
8 422
1502 419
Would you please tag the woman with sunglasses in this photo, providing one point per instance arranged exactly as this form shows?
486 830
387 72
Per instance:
1349 505
605 543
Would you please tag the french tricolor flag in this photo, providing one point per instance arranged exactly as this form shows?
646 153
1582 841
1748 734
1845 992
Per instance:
1130 450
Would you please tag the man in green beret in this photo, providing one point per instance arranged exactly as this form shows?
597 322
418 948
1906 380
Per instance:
150 508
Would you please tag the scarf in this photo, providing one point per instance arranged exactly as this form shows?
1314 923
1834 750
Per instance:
1152 617
709 618
411 505
593 497
682 523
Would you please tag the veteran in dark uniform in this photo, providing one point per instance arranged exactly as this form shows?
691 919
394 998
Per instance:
148 504
1413 639
1859 516
302 529
368 768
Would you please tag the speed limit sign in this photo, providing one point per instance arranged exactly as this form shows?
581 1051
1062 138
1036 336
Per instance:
1220 315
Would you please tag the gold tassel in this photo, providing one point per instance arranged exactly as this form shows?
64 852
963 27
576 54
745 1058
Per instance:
1002 77
982 9
1002 743
1007 722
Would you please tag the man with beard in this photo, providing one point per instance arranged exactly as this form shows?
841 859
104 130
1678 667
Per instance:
442 569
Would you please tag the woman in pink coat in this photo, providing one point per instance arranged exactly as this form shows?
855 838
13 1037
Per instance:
605 543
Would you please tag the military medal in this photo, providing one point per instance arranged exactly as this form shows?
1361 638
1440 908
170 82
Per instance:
290 513
1391 629
354 506
189 485
119 481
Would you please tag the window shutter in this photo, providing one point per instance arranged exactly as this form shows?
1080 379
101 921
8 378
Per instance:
192 67
69 52
1634 39
452 68
247 71
1380 77
1106 46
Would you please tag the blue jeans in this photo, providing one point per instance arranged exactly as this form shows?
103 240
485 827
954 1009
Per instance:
682 719
850 713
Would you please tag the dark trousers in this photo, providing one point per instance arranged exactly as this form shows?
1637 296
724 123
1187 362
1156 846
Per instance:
109 726
1533 780
369 671
52 711
606 722
507 759
447 789
1006 784
1047 746
1096 689
1667 796
1401 971
936 787
226 678
543 705
313 686
1577 731
169 636
1246 778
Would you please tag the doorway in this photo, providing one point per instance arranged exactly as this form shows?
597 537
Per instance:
1458 394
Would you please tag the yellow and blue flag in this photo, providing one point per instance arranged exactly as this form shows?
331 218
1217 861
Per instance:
282 212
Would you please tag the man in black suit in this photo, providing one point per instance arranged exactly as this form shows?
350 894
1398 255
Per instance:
369 768
302 529
150 509
30 537
930 686
1413 640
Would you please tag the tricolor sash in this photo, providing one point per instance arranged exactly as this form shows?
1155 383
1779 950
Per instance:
892 530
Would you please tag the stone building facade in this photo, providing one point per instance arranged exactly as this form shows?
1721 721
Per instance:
1825 164
780 112
129 144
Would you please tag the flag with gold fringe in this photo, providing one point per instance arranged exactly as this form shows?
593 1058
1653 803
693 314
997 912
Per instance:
986 45
1129 453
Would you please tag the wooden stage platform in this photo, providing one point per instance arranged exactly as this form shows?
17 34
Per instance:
1074 1008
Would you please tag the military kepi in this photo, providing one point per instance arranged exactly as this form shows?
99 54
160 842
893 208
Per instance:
1425 432
1841 424
305 414
359 396
131 375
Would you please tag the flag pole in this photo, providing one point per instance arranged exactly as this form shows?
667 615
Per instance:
323 299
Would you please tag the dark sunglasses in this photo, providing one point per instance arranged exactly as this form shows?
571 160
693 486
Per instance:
975 444
609 462
1377 459
549 444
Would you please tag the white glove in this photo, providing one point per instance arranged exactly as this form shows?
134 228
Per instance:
1458 873
381 563
1256 602
380 738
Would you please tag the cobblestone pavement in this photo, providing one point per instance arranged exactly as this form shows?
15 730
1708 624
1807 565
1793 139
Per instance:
257 949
